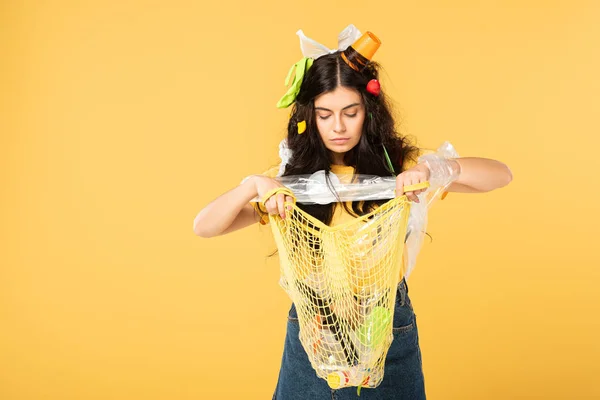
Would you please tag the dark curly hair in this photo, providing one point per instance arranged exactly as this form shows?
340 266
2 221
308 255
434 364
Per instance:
309 153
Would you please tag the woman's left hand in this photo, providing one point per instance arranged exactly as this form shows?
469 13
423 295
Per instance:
417 174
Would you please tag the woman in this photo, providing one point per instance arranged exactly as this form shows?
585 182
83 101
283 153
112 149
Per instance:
341 123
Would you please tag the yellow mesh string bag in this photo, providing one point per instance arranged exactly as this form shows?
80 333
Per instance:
343 281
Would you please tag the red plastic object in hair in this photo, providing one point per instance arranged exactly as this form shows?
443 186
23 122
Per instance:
374 87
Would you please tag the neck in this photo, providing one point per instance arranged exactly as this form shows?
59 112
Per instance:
338 159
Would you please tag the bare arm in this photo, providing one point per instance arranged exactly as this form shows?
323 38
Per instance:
477 175
480 175
229 212
232 210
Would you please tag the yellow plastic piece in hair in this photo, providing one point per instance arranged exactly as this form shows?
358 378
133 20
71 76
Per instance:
301 127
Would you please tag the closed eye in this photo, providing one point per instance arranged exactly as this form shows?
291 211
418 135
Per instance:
347 115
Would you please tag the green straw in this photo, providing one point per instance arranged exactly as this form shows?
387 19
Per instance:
387 157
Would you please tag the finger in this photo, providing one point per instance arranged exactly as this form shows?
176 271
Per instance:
289 199
271 206
399 185
280 205
418 192
411 195
414 196
274 205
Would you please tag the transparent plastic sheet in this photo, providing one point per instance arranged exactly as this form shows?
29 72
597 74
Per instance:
313 49
343 279
316 189
444 171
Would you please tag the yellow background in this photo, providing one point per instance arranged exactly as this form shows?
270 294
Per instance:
120 120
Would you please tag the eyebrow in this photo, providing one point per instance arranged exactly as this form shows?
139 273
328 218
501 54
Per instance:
327 109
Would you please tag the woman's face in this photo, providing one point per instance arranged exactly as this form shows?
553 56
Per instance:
340 115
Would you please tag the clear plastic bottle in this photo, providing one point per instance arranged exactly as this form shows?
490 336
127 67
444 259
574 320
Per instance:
332 350
354 376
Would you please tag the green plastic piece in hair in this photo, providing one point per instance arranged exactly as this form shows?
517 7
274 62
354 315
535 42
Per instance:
387 157
300 69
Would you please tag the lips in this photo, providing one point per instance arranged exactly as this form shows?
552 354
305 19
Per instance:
340 140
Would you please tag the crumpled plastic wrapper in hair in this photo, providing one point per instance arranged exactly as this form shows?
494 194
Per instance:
284 154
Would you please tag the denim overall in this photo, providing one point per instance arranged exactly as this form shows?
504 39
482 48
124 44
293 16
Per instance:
403 372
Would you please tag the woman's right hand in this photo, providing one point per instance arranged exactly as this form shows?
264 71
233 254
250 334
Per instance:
275 203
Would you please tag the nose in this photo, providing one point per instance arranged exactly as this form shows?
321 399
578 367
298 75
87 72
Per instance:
339 125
